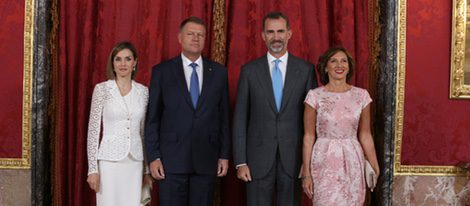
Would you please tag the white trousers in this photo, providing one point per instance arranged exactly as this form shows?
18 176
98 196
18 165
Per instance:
120 182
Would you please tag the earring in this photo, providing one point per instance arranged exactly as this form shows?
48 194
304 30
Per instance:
134 68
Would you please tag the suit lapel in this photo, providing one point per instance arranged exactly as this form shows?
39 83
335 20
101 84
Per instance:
265 81
207 81
292 74
114 89
178 71
135 94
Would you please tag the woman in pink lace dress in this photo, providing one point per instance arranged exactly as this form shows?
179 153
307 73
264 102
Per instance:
337 137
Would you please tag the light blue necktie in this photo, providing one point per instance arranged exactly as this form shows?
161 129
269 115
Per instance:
194 85
277 84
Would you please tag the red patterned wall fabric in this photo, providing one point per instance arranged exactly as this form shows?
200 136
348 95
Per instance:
11 80
88 30
436 129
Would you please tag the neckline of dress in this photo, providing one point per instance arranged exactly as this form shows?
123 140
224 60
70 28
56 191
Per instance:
326 90
128 93
119 89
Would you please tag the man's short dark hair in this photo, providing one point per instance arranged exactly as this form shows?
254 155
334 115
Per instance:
192 19
276 15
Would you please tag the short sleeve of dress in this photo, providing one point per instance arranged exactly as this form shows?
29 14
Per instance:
311 99
366 100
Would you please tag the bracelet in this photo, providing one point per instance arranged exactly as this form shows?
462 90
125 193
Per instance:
305 177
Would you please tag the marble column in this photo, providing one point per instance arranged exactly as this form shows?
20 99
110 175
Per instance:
385 100
41 190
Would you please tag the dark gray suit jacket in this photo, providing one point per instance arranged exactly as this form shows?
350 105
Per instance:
259 130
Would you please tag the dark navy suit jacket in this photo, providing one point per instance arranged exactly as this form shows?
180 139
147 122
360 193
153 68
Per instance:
187 140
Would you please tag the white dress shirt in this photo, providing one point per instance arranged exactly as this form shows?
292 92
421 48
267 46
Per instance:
282 65
188 70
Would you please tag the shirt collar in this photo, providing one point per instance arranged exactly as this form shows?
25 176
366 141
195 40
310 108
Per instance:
283 58
186 61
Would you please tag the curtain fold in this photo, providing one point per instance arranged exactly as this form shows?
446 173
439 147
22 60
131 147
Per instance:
316 26
89 28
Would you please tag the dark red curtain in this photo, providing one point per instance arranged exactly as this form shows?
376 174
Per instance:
88 29
316 25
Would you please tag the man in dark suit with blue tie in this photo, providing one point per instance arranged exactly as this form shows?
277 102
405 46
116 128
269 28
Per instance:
268 118
186 135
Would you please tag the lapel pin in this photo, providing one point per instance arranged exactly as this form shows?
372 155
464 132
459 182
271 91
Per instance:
210 69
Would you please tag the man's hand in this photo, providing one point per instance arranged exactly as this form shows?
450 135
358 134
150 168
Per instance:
222 167
156 169
243 173
94 181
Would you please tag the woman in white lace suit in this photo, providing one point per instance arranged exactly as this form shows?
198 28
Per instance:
115 161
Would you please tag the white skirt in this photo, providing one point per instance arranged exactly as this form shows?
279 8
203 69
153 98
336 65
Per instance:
120 182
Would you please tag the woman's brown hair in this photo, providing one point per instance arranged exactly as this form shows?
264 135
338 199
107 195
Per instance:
110 74
323 61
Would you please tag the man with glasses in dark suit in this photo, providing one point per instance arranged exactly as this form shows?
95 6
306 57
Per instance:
187 136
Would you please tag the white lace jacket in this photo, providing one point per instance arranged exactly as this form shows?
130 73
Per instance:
123 125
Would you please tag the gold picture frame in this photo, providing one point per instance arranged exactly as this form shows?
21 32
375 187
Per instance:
460 53
398 168
25 161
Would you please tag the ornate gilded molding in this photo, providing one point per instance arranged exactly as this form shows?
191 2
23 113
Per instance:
374 34
374 48
218 55
400 86
399 169
458 88
25 161
427 170
218 29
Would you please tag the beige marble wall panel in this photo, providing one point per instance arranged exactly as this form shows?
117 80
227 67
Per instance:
429 191
15 187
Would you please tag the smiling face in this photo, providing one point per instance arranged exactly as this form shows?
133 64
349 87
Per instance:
192 38
337 66
276 35
124 63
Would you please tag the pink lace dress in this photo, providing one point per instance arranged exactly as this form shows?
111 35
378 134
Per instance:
337 164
